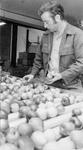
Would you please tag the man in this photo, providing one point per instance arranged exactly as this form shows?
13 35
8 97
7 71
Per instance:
61 50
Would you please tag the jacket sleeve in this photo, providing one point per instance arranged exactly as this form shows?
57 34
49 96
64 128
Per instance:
76 68
37 65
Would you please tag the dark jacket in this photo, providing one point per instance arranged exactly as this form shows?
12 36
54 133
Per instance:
70 54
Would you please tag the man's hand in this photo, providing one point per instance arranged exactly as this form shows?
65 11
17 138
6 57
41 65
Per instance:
28 77
56 77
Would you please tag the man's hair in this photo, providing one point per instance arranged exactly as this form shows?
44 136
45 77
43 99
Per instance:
53 7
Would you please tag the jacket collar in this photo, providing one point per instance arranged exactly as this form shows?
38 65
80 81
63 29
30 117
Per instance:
70 29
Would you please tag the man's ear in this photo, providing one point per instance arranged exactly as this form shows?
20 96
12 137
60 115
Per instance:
57 18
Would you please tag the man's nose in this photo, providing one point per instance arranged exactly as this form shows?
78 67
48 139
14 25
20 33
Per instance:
45 25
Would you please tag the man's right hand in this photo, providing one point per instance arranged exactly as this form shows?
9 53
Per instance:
28 77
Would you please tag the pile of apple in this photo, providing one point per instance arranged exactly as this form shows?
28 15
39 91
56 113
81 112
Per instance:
34 115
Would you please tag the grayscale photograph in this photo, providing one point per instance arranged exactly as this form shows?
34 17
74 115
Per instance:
41 74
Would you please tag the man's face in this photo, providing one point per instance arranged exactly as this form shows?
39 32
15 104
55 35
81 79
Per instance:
49 22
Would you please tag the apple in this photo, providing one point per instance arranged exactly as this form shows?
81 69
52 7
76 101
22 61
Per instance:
22 89
76 112
60 109
72 99
13 79
24 110
8 80
3 124
41 88
52 145
2 138
45 87
43 99
8 146
79 98
36 123
24 95
33 107
50 135
25 129
77 138
28 102
56 131
12 135
15 88
3 86
65 144
49 104
5 93
38 139
2 97
57 100
3 114
36 98
42 105
14 107
51 112
25 143
8 101
65 101
77 122
10 86
35 85
55 91
16 96
31 113
49 97
5 106
21 103
66 128
30 94
36 90
9 98
42 113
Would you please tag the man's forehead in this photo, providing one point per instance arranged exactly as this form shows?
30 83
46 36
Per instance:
46 14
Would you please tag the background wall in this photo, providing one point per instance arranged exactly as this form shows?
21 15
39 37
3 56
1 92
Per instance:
34 36
21 40
5 41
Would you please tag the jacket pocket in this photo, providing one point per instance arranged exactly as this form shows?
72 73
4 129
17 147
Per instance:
67 50
66 59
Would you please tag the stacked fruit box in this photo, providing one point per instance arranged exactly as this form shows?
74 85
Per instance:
37 116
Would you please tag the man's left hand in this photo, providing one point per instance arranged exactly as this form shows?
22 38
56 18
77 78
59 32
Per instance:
53 79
